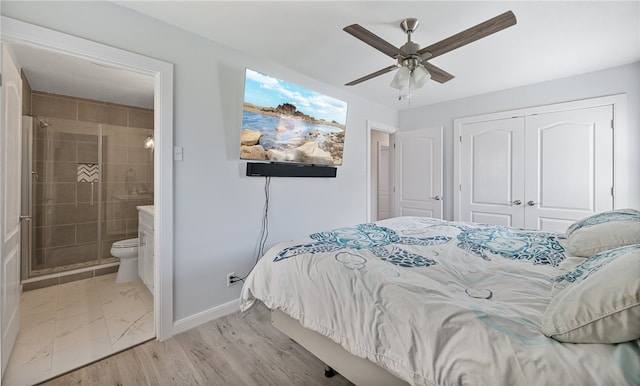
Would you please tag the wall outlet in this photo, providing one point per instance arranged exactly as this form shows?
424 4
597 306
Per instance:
232 279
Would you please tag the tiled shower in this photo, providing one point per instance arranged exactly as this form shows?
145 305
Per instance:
90 169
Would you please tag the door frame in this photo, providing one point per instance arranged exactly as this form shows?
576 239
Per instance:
620 165
18 32
377 126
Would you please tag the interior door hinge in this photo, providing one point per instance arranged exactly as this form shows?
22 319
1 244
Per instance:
460 187
460 138
613 126
0 80
612 191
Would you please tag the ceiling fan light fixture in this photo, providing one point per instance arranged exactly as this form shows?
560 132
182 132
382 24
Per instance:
401 78
410 79
419 77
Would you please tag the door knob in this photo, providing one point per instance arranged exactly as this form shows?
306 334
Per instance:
517 202
437 198
531 203
23 218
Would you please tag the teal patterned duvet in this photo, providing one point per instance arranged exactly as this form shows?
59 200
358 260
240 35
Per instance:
437 302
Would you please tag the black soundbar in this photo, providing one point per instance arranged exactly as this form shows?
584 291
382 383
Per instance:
261 169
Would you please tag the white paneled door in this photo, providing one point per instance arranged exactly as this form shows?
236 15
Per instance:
418 173
10 152
492 172
569 165
541 171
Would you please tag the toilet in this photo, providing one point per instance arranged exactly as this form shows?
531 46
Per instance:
127 251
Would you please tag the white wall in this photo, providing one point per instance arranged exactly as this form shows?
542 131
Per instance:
624 79
218 210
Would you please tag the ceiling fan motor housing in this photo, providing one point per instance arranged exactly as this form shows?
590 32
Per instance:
410 48
411 62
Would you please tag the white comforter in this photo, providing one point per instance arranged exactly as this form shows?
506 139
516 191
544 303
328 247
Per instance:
437 303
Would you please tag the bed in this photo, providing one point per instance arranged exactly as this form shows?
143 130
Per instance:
420 301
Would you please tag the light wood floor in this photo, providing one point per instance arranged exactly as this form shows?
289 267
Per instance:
233 350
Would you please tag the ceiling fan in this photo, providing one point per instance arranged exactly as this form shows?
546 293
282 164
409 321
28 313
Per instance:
412 64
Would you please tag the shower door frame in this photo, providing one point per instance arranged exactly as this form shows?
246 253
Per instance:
26 231
18 32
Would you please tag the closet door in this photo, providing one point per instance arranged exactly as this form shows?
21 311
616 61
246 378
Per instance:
568 167
492 172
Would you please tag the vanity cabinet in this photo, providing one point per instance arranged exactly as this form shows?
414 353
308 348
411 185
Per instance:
145 247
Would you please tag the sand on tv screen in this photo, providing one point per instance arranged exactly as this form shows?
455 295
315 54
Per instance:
284 122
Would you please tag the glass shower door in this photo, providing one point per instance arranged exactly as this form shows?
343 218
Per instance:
66 196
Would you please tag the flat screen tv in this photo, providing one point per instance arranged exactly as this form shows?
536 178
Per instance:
284 122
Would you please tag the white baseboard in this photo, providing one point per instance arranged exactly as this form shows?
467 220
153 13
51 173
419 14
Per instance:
205 316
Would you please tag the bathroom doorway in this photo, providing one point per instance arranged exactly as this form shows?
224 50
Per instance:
101 132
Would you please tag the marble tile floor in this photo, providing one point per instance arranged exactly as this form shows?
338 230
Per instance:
70 325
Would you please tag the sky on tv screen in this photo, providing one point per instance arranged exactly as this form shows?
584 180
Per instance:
265 90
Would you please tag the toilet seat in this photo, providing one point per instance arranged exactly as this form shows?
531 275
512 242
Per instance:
128 243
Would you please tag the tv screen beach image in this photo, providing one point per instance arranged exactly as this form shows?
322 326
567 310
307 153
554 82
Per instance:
284 122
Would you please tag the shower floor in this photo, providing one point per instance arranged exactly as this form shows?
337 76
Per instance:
70 325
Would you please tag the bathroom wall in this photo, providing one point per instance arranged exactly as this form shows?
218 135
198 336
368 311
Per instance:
74 223
127 180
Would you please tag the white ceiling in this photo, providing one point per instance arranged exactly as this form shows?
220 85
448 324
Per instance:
550 40
68 75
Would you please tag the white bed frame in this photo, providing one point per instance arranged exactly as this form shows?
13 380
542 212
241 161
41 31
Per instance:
357 370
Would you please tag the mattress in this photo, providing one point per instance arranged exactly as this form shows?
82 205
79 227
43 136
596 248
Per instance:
437 302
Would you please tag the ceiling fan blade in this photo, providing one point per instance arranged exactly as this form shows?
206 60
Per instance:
373 75
372 39
437 74
470 35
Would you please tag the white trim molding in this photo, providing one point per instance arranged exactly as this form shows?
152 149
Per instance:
206 316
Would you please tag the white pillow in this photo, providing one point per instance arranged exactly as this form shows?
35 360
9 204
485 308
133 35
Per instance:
604 231
601 302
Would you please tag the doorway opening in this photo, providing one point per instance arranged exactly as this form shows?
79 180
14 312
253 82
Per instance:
379 171
158 167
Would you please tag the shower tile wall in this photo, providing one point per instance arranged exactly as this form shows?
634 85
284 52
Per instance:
66 219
